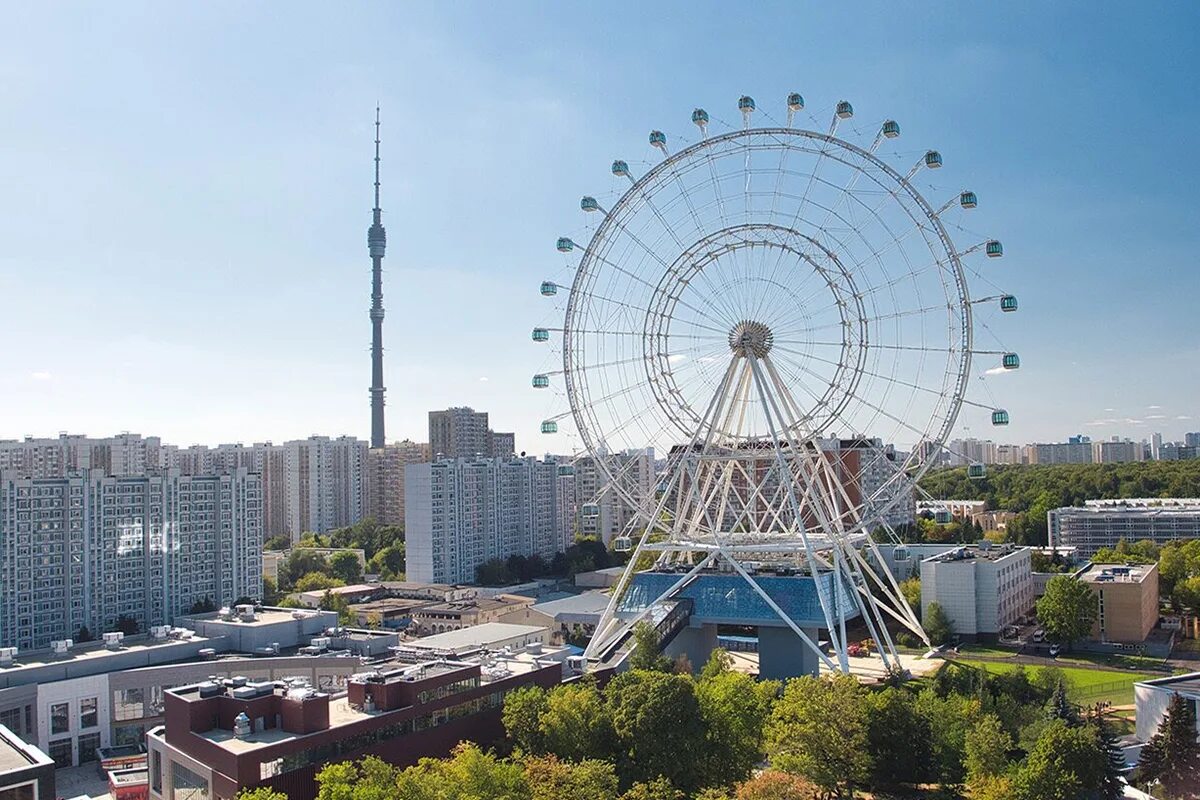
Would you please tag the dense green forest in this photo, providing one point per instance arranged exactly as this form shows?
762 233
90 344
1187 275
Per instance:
1034 489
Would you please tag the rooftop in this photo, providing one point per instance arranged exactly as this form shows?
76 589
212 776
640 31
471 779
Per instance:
16 754
263 616
1166 506
1118 573
354 588
480 604
980 551
1188 684
586 603
477 637
89 657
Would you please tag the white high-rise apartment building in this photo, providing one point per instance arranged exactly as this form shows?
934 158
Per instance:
635 471
87 549
1078 451
961 452
461 513
1117 451
325 483
124 454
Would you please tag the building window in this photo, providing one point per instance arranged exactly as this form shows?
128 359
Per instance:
187 785
60 718
11 719
61 752
156 771
129 734
88 718
26 791
129 704
89 743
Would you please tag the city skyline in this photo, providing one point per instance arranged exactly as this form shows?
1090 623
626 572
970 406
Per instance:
245 256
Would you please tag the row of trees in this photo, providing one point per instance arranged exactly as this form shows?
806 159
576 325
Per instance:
1032 490
586 554
1178 566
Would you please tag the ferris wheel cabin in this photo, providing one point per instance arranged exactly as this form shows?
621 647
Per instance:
745 104
968 200
590 511
541 381
622 544
541 335
589 204
795 102
700 117
1008 303
999 417
1011 361
549 288
549 426
564 245
891 129
994 249
620 169
933 159
845 110
658 139
976 472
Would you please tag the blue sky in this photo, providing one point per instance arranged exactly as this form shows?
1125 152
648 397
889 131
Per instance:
187 190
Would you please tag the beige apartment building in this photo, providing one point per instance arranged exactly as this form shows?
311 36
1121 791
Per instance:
1128 601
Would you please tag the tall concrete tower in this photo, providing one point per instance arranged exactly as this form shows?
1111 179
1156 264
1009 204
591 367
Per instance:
376 244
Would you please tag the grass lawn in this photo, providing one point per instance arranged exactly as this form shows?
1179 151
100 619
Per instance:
1086 686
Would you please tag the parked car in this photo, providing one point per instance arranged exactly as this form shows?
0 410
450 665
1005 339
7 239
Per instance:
1054 651
1039 635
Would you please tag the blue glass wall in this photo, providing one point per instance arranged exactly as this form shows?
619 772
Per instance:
730 600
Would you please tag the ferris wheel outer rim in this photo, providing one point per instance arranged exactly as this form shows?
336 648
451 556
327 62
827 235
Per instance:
916 466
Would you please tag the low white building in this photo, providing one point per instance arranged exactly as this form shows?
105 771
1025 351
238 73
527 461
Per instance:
1152 697
982 588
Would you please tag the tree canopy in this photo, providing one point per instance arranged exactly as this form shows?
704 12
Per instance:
1067 610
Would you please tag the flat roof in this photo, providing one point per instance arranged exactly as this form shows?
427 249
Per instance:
1188 684
1118 573
93 653
476 636
262 616
389 604
354 588
16 754
973 552
481 603
585 603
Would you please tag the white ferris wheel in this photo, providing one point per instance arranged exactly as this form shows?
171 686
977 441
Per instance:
783 315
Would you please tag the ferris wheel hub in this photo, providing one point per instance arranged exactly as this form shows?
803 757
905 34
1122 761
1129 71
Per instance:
751 338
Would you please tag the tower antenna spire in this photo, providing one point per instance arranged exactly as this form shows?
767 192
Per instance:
376 244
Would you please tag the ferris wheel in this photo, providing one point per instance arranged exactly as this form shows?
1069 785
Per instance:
782 313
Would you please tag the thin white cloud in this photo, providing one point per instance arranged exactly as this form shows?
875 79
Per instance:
1183 416
1153 408
1156 416
41 375
484 379
996 371
1110 410
678 357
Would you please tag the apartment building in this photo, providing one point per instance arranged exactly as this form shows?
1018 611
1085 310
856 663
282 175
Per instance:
385 471
1127 601
981 587
602 510
83 551
460 513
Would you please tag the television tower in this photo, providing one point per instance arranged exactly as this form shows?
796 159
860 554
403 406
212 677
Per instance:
376 244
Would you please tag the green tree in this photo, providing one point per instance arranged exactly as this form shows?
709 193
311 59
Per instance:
659 728
523 711
645 653
911 590
1064 764
335 602
818 729
493 572
277 543
1061 708
897 760
368 779
346 567
735 709
986 748
937 624
299 563
1067 610
315 582
576 724
719 662
1171 758
949 719
270 591
1112 784
1186 593
127 625
468 774
656 789
389 563
260 793
549 778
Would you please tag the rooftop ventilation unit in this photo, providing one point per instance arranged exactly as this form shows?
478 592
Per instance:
61 647
160 631
7 654
321 642
246 612
113 639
